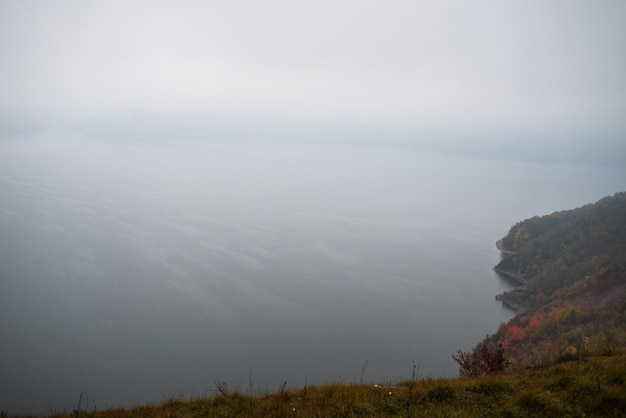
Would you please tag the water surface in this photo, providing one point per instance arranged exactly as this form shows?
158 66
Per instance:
138 272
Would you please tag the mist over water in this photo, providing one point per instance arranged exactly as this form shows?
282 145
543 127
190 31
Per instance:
138 272
266 193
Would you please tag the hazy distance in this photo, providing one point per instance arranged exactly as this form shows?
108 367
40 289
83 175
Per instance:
270 191
516 80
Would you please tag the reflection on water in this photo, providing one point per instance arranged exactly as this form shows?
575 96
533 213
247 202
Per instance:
135 273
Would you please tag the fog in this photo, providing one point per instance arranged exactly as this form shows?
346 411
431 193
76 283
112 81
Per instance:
261 192
487 76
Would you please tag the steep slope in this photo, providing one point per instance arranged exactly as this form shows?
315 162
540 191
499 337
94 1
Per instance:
572 269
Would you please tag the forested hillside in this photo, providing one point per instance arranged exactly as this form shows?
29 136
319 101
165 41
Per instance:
572 269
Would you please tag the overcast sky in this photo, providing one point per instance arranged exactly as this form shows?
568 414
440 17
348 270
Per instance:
548 67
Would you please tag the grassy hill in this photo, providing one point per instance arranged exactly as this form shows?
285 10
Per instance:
589 385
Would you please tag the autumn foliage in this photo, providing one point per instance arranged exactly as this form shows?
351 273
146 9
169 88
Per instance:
513 335
574 262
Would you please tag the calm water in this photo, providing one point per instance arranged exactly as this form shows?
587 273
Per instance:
134 273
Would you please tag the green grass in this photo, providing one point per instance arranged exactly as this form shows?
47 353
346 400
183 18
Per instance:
594 385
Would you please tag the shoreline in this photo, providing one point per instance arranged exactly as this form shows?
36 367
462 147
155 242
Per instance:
500 247
517 277
514 299
509 274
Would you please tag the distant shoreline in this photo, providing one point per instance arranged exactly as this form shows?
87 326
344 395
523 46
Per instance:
518 301
515 276
500 247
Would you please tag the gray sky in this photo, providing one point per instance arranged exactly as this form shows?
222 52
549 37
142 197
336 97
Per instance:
550 68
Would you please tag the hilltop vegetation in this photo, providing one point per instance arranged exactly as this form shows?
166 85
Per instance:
573 264
593 385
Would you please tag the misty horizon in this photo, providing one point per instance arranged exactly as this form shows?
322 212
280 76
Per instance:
272 191
527 80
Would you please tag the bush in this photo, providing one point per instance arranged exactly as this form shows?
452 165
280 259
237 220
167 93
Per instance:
483 362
